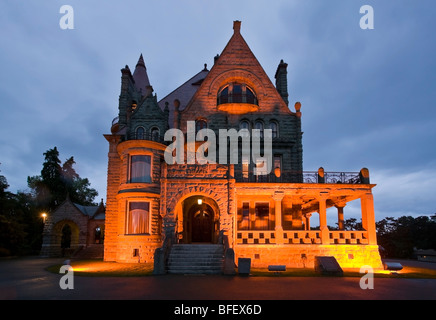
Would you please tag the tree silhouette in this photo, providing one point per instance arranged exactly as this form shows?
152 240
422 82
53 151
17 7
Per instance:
57 181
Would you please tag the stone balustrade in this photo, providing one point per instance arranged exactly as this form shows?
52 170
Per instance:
300 237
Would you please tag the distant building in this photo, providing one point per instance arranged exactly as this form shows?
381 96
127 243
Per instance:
428 255
73 229
156 209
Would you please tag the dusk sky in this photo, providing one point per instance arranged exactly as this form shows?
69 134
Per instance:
368 96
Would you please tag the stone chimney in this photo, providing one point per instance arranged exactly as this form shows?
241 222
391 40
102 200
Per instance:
282 81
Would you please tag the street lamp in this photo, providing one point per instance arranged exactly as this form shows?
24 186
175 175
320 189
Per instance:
44 216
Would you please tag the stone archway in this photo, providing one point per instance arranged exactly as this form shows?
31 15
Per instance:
65 237
200 220
215 194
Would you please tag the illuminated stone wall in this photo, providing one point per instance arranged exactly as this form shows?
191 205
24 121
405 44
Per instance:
303 256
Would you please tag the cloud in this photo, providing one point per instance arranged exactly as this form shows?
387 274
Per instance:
367 96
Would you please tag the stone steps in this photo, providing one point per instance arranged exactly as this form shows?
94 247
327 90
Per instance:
195 259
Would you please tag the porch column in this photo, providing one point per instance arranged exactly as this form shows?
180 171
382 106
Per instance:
368 217
325 238
307 224
340 207
278 197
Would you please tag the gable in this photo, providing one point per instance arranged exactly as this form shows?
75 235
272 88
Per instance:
236 64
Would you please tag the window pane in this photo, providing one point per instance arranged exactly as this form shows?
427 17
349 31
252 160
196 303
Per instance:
244 217
224 96
140 169
137 222
140 133
250 96
237 93
262 216
274 129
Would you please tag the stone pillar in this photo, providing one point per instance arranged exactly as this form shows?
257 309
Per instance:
278 197
340 208
325 238
307 216
368 217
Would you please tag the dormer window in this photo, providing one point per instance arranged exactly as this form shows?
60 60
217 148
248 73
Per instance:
236 93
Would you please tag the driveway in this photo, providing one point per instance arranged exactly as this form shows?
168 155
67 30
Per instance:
26 279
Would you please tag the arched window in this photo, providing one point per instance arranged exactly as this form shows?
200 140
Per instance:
140 133
200 124
244 124
223 97
250 96
154 134
274 128
259 126
236 93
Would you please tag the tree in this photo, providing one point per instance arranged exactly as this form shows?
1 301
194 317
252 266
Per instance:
56 181
399 237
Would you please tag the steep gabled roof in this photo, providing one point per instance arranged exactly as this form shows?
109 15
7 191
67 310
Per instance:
183 93
237 63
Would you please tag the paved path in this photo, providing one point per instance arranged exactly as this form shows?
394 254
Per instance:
26 279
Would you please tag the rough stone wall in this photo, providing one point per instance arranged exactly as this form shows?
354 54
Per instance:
303 256
66 213
210 182
113 183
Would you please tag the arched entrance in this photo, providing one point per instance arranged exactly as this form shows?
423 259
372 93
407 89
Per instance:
200 220
65 236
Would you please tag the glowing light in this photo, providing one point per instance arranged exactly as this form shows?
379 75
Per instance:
200 201
44 216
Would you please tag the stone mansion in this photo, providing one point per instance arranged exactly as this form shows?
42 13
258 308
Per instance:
171 213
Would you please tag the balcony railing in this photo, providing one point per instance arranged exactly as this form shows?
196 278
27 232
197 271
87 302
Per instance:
237 98
301 237
300 177
150 136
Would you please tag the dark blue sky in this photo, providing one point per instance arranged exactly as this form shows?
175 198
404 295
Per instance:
368 96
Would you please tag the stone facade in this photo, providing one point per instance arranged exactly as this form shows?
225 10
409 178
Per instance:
85 227
152 204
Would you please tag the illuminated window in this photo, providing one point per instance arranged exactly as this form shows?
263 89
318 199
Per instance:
236 93
244 221
140 169
138 218
245 168
277 162
261 212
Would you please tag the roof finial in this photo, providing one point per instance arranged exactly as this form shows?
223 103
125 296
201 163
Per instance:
205 67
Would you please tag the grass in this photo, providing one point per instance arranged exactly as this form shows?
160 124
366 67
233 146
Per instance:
99 268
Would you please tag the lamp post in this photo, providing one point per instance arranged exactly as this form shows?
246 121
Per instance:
44 216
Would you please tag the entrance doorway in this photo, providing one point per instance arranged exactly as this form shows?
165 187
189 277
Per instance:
200 220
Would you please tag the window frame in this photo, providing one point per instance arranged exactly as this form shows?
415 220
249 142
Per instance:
130 163
128 217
